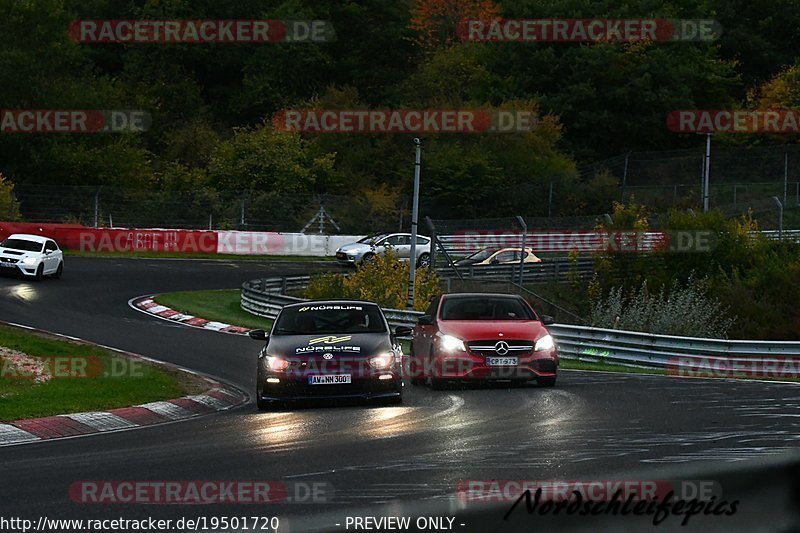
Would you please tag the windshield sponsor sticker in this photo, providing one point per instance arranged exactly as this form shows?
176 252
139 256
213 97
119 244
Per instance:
330 339
330 308
326 344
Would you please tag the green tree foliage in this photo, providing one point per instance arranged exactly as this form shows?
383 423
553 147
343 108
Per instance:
7 212
384 280
265 159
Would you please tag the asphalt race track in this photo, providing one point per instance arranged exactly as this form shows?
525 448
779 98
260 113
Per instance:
590 426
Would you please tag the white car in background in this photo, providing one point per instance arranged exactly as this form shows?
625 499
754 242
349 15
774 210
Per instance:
367 248
32 256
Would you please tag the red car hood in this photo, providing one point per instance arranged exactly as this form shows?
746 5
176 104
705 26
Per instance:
474 330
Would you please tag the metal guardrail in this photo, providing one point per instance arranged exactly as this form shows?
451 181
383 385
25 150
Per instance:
628 348
555 269
265 298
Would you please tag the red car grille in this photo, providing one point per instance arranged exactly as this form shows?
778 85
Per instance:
501 347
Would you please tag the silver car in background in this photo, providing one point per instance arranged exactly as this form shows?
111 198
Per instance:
367 248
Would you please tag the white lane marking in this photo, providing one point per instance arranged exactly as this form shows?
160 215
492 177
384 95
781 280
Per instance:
12 434
210 401
101 421
215 326
167 409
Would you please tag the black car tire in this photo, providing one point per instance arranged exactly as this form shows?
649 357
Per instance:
262 405
59 271
40 272
424 260
367 259
546 382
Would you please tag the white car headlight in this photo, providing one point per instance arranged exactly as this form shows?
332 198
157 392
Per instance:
29 261
545 343
453 344
382 362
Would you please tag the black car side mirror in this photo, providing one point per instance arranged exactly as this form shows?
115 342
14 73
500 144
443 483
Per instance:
547 320
258 335
403 331
425 320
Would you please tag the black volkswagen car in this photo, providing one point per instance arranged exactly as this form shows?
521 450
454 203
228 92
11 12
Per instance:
329 349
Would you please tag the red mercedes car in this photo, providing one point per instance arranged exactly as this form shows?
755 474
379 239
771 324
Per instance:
479 337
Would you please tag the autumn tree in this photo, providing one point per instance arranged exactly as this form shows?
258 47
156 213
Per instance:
435 21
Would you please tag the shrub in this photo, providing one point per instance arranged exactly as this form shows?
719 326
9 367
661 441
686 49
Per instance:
6 213
686 311
384 280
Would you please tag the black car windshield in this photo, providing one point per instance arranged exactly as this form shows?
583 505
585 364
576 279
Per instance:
483 308
22 244
372 238
482 254
330 319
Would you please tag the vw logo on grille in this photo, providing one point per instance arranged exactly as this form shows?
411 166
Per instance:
327 356
501 348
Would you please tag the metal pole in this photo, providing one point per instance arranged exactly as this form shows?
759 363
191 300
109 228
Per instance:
524 226
96 204
210 219
432 235
625 177
780 216
412 260
550 200
785 175
241 212
707 173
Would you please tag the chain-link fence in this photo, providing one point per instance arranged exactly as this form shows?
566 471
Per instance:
740 179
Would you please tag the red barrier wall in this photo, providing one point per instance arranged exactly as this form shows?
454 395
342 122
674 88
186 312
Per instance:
77 237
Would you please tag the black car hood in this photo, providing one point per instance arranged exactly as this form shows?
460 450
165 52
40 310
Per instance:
353 345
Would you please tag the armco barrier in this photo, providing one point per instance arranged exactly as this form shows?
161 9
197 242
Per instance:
265 298
630 348
551 269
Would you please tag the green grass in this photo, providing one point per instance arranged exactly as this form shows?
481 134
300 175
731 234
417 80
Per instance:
219 305
175 255
572 364
110 380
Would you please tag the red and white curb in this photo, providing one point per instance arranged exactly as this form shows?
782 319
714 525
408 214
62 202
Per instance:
218 397
75 424
146 304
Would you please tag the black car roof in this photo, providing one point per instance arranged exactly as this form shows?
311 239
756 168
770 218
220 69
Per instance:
331 302
480 295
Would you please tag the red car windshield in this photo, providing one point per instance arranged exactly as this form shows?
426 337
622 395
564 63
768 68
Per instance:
483 308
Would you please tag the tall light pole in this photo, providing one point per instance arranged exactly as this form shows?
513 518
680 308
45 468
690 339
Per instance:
707 173
412 260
